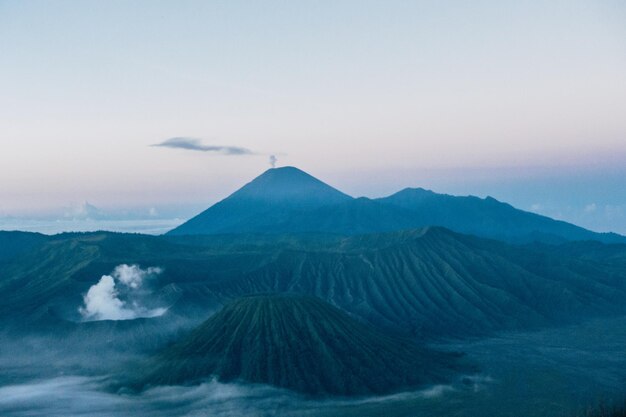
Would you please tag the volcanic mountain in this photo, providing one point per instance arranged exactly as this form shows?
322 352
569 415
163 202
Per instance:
288 200
260 205
299 343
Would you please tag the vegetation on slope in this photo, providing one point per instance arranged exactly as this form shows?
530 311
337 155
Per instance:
299 343
436 282
604 410
427 282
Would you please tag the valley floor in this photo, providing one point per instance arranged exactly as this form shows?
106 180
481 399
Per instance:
552 372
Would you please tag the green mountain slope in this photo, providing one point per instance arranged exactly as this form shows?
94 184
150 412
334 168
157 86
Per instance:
430 282
437 282
52 278
298 343
13 244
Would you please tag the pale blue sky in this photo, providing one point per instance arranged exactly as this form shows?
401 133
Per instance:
525 101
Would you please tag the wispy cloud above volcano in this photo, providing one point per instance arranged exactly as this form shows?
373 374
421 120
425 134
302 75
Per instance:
194 144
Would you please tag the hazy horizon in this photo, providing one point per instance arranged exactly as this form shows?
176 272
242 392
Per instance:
557 203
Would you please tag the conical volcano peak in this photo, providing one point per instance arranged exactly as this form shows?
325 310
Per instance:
299 343
286 171
292 186
284 176
266 201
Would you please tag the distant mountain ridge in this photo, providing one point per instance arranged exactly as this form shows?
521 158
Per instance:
288 200
489 217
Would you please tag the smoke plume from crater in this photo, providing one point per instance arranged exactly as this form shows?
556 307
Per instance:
120 296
